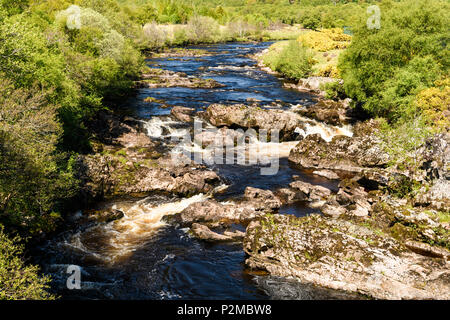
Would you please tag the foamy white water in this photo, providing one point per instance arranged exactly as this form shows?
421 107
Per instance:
117 240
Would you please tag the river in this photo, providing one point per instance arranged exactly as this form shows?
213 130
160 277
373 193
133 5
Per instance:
143 257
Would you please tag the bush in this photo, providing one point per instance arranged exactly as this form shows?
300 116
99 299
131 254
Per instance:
19 281
334 90
203 29
33 177
384 69
291 59
154 36
434 104
325 40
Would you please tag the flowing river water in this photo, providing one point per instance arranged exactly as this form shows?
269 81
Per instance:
143 257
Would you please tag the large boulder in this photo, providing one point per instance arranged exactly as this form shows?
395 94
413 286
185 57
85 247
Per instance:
254 203
243 116
353 154
183 114
342 255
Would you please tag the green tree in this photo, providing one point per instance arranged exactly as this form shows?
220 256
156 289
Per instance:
19 281
384 69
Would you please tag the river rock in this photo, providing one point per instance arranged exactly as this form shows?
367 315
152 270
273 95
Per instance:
344 153
336 113
107 215
254 203
289 196
311 192
327 174
206 212
262 199
108 175
183 114
314 84
341 255
254 117
159 78
204 233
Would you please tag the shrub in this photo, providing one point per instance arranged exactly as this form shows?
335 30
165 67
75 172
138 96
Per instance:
434 103
202 29
292 60
154 35
384 69
33 177
334 90
325 40
328 70
19 281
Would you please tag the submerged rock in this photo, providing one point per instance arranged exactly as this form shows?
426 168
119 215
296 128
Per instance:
342 255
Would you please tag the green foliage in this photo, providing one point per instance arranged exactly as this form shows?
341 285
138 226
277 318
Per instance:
291 59
402 141
34 177
384 69
19 281
203 29
334 90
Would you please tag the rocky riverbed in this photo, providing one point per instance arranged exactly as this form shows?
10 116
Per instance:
364 228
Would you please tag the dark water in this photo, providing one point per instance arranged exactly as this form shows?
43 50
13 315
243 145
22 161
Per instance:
165 262
229 65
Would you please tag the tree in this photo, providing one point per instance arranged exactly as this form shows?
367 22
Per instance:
19 281
32 177
384 69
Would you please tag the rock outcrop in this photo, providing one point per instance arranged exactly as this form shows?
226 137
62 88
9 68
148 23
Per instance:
436 166
352 154
344 255
243 116
159 78
254 203
129 162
